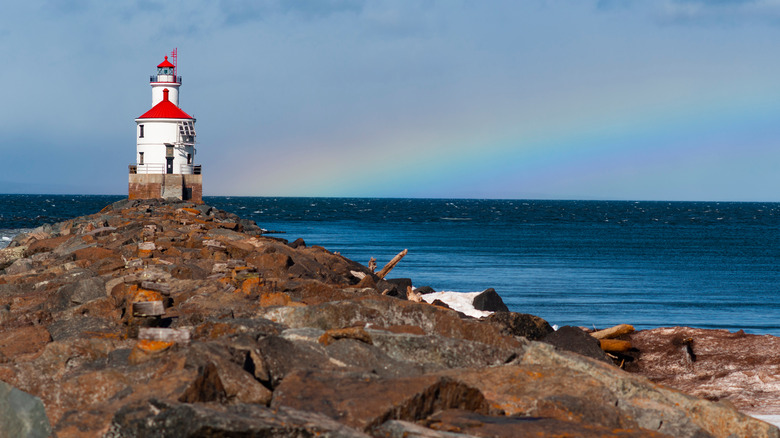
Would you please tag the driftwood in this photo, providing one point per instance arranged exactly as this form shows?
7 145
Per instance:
391 264
411 295
613 332
615 345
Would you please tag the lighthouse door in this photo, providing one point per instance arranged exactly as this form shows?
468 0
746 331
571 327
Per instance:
169 165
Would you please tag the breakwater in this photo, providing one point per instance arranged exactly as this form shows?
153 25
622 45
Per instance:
155 318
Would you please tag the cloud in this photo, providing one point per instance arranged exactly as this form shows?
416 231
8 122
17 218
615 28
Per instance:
700 12
237 12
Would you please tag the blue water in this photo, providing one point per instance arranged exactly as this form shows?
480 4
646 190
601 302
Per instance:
650 264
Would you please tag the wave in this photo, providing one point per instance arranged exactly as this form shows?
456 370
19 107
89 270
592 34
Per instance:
7 235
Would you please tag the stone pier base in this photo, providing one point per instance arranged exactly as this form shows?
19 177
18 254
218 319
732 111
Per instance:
149 186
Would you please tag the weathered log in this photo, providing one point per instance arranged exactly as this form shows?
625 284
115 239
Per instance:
613 332
615 345
391 264
412 295
148 308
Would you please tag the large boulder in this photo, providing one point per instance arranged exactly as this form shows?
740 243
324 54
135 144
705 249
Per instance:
490 301
740 368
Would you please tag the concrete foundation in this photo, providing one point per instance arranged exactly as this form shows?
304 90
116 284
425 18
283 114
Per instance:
184 187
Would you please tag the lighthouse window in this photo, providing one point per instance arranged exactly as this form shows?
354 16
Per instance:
141 131
141 158
189 158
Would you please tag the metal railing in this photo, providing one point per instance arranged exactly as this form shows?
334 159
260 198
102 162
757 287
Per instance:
184 169
176 79
190 169
147 168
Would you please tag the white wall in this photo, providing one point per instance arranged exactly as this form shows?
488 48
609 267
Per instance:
157 132
157 92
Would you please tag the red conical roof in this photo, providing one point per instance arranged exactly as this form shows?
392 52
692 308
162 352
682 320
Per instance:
165 110
166 63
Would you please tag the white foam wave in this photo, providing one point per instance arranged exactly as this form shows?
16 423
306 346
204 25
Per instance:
7 235
460 301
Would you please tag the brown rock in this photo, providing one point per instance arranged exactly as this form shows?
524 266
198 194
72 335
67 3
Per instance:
93 254
28 340
520 324
239 385
713 364
357 333
566 386
364 401
45 245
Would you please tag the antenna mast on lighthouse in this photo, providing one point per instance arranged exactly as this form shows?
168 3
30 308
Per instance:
175 60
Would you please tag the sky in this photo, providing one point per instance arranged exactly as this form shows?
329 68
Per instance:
516 99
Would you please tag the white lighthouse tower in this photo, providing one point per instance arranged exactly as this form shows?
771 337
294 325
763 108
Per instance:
165 144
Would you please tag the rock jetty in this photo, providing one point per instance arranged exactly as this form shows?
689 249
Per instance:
171 319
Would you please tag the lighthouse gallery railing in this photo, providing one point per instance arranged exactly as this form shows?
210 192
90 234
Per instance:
184 169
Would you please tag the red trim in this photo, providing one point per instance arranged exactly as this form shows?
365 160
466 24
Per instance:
165 63
165 110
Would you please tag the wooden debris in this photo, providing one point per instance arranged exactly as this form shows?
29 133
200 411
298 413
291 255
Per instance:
613 332
391 264
372 264
411 295
358 274
615 345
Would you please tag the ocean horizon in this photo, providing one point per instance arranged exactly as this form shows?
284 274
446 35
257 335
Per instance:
584 263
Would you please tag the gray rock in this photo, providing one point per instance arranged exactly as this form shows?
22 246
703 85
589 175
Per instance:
70 246
282 357
438 352
20 266
22 415
80 292
70 328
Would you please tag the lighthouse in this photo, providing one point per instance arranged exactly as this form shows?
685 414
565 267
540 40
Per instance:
165 143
